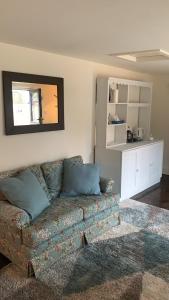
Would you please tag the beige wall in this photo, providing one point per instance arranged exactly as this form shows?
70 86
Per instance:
80 79
160 115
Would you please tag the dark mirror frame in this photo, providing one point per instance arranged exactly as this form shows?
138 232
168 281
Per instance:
8 78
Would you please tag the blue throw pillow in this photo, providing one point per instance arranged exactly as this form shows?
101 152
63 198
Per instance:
80 179
25 192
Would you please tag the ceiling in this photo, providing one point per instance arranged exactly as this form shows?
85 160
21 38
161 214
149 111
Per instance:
89 29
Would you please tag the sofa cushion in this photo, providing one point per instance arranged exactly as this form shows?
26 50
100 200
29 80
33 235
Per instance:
56 218
82 179
3 175
92 205
13 216
74 160
106 185
25 192
36 170
53 174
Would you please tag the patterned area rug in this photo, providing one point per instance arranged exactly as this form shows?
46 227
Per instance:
129 262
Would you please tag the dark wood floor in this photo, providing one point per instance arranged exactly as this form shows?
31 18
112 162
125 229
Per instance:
159 196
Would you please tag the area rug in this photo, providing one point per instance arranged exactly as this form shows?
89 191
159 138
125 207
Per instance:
129 262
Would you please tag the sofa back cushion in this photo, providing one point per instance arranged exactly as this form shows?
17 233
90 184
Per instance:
7 174
25 192
53 174
36 170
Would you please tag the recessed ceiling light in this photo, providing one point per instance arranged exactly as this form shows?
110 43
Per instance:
142 56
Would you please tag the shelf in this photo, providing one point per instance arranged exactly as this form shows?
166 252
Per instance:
121 99
115 145
117 124
118 103
135 104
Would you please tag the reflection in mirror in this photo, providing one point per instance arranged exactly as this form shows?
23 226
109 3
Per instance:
34 103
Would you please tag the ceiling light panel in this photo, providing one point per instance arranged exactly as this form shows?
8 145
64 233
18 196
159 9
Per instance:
143 56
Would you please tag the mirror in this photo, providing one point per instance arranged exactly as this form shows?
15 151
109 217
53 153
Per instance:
32 103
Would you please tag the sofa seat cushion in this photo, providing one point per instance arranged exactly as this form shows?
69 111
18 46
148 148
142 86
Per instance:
56 218
93 205
35 248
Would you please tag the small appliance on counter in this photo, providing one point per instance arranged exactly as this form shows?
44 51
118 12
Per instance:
140 133
135 135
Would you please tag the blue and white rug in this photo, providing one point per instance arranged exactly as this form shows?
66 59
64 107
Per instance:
129 262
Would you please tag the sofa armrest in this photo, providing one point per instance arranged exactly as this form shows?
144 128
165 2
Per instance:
13 216
106 185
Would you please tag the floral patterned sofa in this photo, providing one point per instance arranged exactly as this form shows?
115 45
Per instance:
66 225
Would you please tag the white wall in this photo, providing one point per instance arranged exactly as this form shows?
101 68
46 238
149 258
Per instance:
160 115
80 79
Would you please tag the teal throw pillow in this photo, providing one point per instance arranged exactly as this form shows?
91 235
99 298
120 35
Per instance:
82 179
25 192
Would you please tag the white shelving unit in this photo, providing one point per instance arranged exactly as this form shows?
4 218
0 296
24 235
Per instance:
130 101
133 166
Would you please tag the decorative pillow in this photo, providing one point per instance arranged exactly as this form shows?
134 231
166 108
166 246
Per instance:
53 174
80 179
25 192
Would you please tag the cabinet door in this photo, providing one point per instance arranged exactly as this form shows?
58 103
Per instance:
128 180
155 163
142 169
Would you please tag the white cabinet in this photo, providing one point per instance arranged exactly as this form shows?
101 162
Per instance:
155 168
142 168
137 166
128 176
134 168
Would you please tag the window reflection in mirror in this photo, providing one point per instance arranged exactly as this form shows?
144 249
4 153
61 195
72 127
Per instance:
34 103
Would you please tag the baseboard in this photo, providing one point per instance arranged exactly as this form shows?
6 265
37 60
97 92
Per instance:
166 171
143 193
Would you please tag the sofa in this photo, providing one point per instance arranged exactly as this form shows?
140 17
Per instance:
68 224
